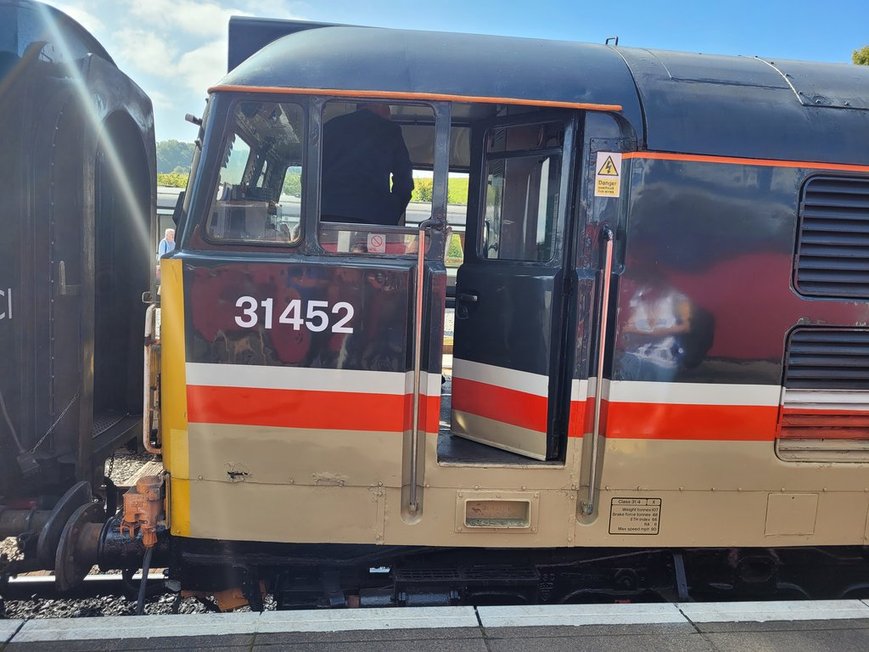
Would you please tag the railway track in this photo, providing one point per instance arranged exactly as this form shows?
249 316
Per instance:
101 594
34 595
43 586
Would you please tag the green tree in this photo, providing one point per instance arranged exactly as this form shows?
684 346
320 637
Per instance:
293 182
457 191
172 179
455 252
174 156
861 56
421 191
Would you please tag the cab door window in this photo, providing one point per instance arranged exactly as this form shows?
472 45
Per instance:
258 195
523 178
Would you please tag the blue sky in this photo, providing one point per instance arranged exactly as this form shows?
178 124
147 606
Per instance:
175 49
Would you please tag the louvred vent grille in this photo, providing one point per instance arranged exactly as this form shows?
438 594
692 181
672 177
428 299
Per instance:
833 245
828 359
827 385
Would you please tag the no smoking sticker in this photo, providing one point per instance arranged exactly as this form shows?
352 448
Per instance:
608 174
376 243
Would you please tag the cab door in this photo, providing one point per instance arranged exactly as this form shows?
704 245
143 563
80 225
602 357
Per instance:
510 367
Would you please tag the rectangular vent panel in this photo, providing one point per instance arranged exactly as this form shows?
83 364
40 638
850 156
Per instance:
826 383
833 242
828 358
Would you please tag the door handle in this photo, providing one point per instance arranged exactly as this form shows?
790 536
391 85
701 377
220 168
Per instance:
467 297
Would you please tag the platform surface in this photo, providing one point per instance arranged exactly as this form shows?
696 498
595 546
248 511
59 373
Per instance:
840 626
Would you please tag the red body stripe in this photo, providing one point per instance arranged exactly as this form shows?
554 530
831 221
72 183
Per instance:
824 412
621 420
691 422
392 413
676 421
500 404
581 414
818 423
282 408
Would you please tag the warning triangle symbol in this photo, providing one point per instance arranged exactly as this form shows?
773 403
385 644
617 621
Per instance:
608 169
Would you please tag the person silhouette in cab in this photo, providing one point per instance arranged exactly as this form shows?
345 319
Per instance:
367 173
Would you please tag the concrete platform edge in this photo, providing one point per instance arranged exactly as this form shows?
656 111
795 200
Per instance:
485 618
8 628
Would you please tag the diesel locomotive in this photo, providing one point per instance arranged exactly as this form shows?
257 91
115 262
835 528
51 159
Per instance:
660 359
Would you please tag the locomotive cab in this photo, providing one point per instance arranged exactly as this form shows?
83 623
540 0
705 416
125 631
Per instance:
311 355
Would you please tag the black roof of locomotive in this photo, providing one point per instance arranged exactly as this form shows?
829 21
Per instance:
676 102
405 61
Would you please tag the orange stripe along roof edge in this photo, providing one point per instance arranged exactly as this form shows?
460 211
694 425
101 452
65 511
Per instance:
731 160
410 95
586 106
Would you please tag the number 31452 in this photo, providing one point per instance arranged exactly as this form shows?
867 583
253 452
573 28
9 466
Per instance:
317 315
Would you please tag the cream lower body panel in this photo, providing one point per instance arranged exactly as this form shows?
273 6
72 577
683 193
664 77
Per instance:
299 514
652 493
247 511
294 456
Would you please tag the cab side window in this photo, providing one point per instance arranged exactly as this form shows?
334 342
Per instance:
376 176
258 198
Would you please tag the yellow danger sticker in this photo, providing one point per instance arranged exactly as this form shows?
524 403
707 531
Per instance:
608 174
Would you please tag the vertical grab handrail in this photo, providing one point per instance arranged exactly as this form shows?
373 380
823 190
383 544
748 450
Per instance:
607 233
149 413
413 502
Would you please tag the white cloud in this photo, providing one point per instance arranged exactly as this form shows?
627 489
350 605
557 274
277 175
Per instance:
142 52
276 9
145 52
204 66
78 13
174 49
159 99
206 19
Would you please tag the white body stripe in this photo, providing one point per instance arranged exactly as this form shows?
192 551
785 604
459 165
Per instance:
520 381
638 391
627 391
311 379
632 391
580 389
812 399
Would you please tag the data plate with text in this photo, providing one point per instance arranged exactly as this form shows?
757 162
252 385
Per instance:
635 516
